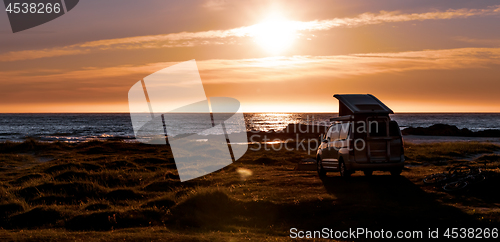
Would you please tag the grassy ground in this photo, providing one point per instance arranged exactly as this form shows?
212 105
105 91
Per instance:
127 191
435 153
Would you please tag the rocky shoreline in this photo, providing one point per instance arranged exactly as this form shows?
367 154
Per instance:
304 131
450 130
292 131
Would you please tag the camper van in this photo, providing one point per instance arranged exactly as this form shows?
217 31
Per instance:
362 138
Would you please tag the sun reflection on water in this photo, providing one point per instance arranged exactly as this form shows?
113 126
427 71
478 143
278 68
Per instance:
271 121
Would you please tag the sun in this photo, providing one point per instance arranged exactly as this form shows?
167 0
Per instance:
275 34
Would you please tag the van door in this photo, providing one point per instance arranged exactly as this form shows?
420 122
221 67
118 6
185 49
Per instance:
330 159
375 147
383 142
342 141
396 143
326 145
377 140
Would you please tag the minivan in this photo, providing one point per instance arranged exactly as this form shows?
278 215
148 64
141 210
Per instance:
362 138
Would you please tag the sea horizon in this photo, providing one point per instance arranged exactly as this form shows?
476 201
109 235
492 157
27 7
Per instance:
78 127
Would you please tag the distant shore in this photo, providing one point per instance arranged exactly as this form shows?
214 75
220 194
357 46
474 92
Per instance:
83 127
450 130
434 133
420 139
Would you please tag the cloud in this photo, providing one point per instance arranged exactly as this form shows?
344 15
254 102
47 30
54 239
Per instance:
277 69
391 17
44 53
215 5
282 69
213 37
488 42
279 78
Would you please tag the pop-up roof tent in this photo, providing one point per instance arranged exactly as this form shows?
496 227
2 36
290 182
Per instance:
352 104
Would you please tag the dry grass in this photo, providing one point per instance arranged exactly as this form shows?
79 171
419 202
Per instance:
129 191
446 151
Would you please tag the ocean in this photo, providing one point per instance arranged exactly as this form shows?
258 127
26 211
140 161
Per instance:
71 127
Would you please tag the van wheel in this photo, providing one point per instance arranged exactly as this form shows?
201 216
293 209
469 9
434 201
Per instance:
368 173
396 172
321 170
343 171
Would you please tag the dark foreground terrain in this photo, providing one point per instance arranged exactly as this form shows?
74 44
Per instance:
128 191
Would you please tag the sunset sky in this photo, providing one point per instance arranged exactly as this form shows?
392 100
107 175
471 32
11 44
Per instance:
273 56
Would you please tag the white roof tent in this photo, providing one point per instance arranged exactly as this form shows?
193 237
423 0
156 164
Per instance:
352 104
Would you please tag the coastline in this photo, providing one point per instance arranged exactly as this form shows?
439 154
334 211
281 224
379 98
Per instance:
82 127
419 139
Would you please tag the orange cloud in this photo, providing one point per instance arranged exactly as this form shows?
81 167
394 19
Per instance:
281 81
214 37
490 42
391 17
278 69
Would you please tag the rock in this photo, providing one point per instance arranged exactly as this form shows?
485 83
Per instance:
449 130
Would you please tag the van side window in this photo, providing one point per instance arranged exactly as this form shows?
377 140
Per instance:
394 129
335 131
344 131
329 133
